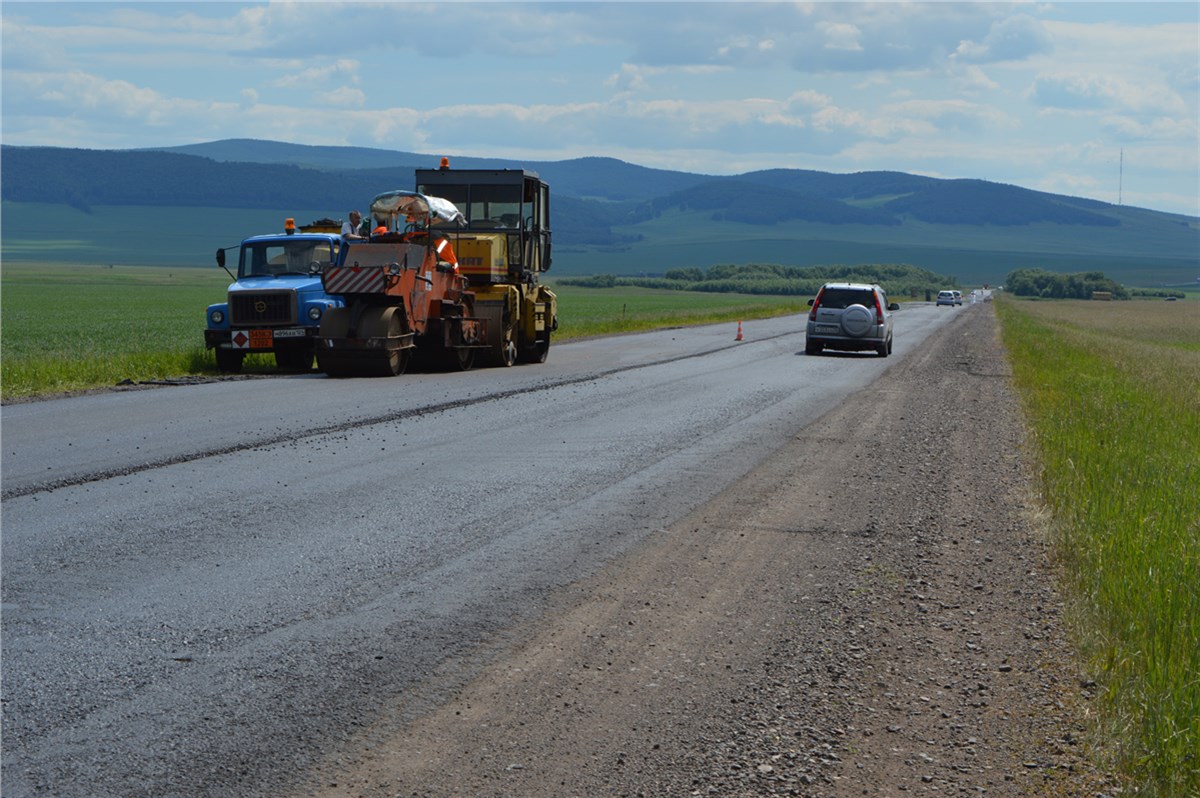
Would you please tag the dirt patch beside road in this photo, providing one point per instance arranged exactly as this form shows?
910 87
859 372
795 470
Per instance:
871 612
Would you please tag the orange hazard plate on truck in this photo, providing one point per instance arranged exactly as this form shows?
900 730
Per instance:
251 339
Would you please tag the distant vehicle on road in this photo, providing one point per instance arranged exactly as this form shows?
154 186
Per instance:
945 298
850 317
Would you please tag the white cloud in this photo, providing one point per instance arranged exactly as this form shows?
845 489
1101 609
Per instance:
744 48
852 124
72 92
1124 128
808 98
840 36
629 78
635 77
1008 39
343 97
974 80
341 69
1075 90
953 115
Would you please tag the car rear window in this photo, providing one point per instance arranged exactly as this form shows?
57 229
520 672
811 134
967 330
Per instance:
842 298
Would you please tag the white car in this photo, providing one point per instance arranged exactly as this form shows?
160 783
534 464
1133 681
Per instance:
946 298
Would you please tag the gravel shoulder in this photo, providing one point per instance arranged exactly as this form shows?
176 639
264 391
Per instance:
871 612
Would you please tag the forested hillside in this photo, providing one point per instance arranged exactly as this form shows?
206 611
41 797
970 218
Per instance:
82 178
610 216
85 178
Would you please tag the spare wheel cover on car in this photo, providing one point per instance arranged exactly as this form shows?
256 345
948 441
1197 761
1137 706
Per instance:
856 320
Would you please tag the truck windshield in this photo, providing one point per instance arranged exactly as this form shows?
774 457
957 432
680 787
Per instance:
273 258
485 206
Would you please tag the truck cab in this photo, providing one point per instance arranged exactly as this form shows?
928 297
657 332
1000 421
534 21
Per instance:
276 301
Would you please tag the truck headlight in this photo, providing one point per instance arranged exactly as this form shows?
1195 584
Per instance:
314 312
216 317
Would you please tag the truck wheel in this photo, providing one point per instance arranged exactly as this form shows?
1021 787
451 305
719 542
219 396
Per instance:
394 363
229 360
294 359
538 352
462 359
334 364
508 354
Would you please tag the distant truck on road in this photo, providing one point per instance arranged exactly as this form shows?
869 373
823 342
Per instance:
276 301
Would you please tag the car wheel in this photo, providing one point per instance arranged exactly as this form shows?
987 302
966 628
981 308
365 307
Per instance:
812 348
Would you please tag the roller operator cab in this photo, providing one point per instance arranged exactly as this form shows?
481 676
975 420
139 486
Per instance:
276 301
503 244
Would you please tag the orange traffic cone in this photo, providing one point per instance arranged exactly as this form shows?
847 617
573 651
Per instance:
739 335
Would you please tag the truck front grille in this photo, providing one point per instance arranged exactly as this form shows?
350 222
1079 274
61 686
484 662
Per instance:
262 308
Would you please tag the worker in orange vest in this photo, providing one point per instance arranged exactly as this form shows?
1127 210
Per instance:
444 250
441 244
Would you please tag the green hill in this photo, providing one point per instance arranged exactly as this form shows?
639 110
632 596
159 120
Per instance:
175 206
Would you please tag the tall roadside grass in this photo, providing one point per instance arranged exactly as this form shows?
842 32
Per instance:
1112 391
73 327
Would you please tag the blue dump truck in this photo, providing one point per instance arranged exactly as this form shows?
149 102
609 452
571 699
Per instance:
276 301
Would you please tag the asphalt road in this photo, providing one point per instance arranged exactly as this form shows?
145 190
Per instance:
207 588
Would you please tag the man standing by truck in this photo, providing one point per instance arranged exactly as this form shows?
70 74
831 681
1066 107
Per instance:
350 228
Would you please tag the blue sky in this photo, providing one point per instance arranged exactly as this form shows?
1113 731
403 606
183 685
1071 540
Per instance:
1042 95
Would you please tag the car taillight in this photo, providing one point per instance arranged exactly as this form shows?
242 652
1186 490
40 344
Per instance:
878 310
812 314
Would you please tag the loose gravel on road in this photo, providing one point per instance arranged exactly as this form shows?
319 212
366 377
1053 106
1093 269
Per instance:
871 612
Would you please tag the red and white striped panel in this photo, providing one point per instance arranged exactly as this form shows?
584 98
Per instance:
354 280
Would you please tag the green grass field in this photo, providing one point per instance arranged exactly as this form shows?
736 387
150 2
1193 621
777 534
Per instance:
70 327
1112 394
73 327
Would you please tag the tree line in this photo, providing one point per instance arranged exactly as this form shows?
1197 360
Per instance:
1052 285
778 280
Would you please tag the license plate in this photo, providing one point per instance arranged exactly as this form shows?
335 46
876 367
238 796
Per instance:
261 339
293 332
826 328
